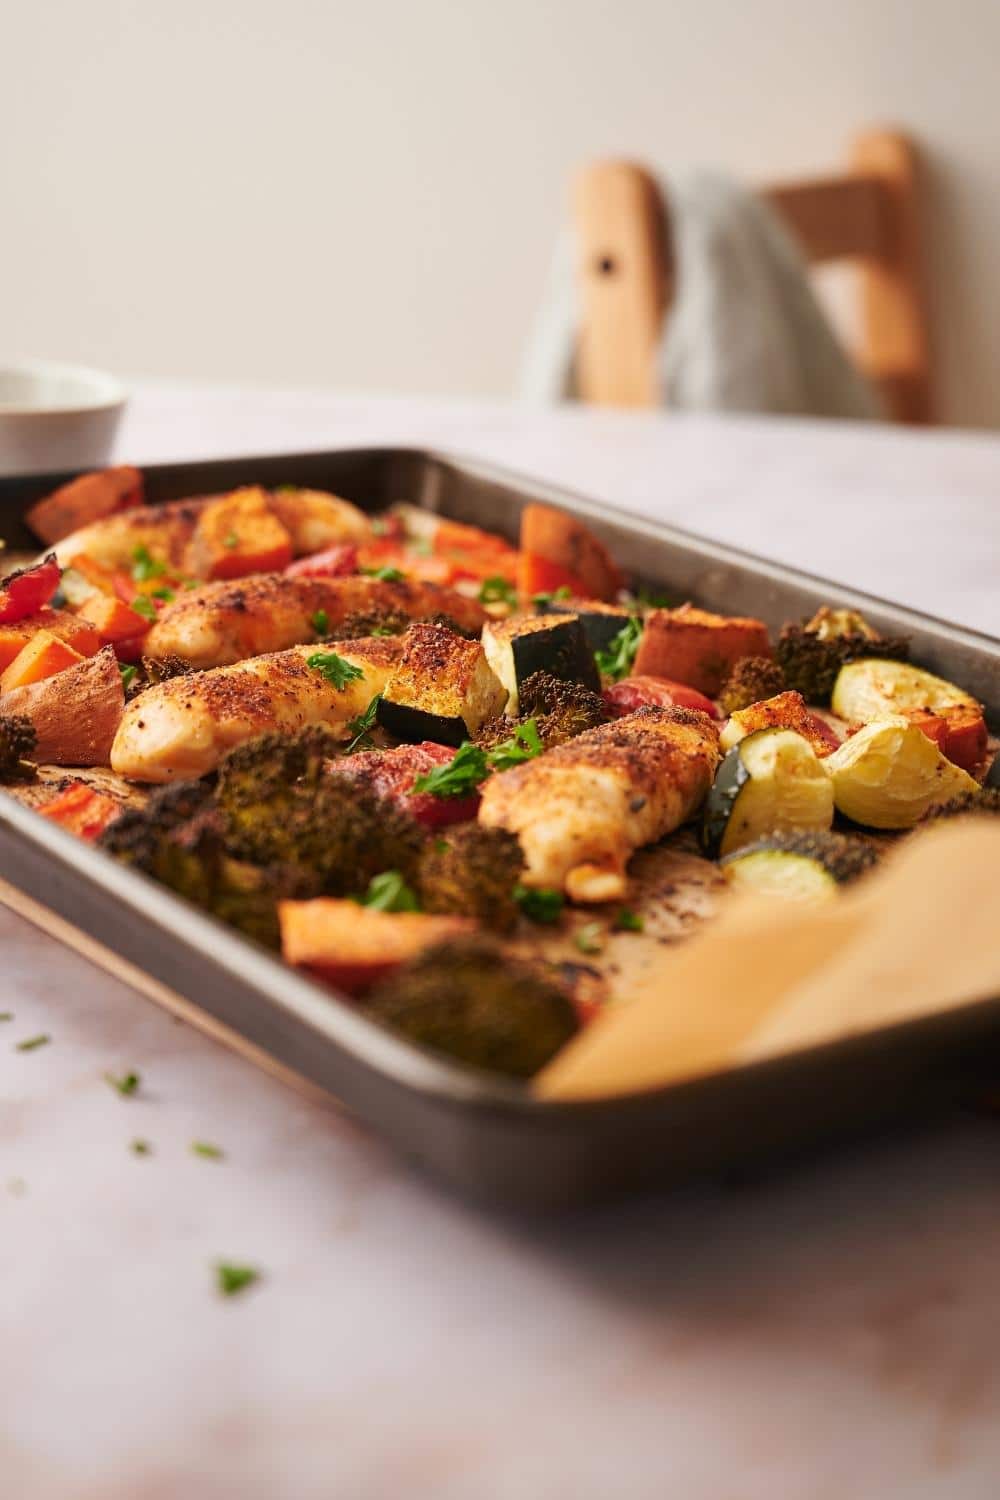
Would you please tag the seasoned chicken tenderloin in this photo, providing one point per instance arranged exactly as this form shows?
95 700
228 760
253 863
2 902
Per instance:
226 621
184 726
582 810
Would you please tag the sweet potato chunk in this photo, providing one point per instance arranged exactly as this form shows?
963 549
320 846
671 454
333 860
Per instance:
43 656
113 620
561 539
693 646
353 946
82 810
958 730
75 714
89 498
58 622
238 534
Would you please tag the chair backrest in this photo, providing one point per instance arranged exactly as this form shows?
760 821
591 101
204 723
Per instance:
868 215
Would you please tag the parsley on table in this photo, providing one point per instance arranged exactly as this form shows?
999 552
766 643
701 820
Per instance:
32 1042
459 778
590 938
126 1084
628 921
144 607
524 744
6 1015
389 892
231 1279
361 726
387 575
206 1149
497 591
320 622
141 1148
616 662
539 903
145 566
129 674
337 671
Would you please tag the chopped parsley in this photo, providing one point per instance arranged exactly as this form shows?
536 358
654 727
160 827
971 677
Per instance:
497 591
420 546
387 575
191 583
390 892
616 662
141 1148
361 726
206 1149
542 601
144 607
337 671
231 1279
320 622
165 594
380 526
145 566
590 938
32 1042
524 744
540 903
6 1015
459 778
628 921
652 599
126 1084
129 674
231 541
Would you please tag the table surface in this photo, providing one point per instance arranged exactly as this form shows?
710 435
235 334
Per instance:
829 1330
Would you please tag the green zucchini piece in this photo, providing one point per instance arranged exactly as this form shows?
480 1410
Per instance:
771 781
600 622
804 865
442 688
539 643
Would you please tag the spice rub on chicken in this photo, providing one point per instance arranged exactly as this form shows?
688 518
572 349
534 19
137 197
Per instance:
225 621
581 811
183 727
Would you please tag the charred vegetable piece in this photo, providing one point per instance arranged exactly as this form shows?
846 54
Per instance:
805 866
872 688
811 662
696 647
26 591
554 644
471 872
280 805
786 711
889 774
752 679
17 744
470 1000
442 688
559 711
770 781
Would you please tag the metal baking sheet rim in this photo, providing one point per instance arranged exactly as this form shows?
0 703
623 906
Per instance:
394 1087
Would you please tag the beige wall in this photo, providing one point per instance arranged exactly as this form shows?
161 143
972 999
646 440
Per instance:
365 194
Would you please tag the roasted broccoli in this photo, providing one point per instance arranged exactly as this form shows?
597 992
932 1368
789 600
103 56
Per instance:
811 661
985 800
752 679
471 1000
280 805
561 711
179 839
471 871
17 742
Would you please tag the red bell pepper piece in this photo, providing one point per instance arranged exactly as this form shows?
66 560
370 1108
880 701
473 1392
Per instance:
333 562
81 810
636 692
391 773
29 590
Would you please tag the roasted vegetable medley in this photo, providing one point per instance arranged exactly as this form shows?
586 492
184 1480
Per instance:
474 786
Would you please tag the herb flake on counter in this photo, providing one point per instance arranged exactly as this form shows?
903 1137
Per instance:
616 662
6 1015
459 778
320 622
140 1148
32 1043
540 904
231 1279
206 1149
336 669
389 892
126 1084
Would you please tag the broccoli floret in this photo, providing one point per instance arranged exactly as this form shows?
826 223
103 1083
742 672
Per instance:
561 711
17 743
811 662
985 800
281 806
471 871
470 1000
136 834
752 679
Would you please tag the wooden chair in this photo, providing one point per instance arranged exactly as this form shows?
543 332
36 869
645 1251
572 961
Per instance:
868 215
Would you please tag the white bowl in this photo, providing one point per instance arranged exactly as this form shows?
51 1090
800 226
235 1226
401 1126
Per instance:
56 416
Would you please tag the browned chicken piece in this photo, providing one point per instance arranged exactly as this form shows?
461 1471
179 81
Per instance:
227 621
582 810
169 533
183 727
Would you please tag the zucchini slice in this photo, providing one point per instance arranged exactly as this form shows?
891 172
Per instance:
770 781
803 866
539 643
889 774
874 687
601 622
442 688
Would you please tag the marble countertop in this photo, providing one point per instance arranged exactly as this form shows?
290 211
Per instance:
830 1330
